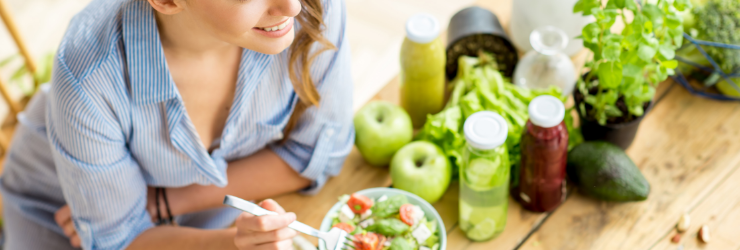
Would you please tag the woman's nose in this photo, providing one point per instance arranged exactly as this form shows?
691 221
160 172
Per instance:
285 7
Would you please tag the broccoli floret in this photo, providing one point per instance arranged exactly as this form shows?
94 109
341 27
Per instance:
719 21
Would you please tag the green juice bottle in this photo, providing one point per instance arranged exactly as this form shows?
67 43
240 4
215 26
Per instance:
484 177
422 69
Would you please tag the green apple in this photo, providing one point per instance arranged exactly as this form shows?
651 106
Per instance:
381 128
422 169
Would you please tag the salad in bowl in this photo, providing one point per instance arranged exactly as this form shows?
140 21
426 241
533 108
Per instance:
387 219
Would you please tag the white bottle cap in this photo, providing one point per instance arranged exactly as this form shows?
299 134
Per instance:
422 28
546 111
485 130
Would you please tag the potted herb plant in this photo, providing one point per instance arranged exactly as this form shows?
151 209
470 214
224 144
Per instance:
614 96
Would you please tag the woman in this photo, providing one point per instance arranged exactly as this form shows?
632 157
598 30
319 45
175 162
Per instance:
200 97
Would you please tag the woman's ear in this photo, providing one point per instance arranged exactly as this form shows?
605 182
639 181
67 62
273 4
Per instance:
168 7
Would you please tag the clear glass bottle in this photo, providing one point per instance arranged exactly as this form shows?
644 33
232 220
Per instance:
422 69
546 65
541 186
484 176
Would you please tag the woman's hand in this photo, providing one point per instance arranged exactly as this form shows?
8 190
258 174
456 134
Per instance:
63 217
269 232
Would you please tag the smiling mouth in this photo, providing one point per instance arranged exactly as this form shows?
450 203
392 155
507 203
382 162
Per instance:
277 27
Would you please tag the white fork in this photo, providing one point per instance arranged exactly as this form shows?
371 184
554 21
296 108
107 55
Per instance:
335 239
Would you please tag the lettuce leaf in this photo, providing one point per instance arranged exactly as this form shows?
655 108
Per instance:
389 227
400 243
390 206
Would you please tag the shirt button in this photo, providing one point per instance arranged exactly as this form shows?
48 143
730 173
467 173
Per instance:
329 132
229 137
83 227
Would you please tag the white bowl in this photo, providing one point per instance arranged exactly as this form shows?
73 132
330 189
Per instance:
376 193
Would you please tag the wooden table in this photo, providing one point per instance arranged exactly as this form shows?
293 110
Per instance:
687 147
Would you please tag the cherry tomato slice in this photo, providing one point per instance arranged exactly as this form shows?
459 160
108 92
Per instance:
346 227
381 242
406 213
368 241
359 203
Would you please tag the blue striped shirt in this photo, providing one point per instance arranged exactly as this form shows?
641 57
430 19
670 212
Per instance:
112 122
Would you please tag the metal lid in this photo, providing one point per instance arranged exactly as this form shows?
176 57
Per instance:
422 28
546 111
485 130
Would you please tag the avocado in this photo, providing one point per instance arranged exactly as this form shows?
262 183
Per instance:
602 170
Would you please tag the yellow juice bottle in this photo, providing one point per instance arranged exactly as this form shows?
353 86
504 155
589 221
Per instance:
422 69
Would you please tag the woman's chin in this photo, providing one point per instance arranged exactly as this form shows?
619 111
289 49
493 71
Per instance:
271 50
270 46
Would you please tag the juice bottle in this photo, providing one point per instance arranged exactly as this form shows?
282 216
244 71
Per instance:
422 69
544 153
484 176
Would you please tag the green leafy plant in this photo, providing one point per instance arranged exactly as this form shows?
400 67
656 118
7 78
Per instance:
627 65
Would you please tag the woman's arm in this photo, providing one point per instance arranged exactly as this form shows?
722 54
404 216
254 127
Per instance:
268 232
259 176
183 238
253 233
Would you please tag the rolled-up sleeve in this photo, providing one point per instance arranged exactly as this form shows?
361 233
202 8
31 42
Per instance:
324 135
102 183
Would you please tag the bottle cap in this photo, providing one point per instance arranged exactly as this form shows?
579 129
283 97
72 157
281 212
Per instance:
546 111
485 130
422 28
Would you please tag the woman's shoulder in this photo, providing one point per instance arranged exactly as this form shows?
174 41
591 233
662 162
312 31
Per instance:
91 37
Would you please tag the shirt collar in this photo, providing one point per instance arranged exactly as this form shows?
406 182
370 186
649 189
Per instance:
149 75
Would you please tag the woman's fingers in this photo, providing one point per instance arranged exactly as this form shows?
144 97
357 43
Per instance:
264 223
75 241
273 236
69 229
279 245
253 239
269 232
272 205
63 215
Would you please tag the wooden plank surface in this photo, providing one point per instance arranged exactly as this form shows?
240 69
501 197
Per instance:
720 211
686 147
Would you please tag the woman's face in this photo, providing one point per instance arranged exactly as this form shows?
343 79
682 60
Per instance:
265 26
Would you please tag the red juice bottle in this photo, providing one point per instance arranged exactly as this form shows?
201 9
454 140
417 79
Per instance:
544 147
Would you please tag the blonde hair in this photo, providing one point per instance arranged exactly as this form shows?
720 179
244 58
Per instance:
312 24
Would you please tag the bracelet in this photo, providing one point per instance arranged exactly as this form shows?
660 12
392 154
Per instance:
161 221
